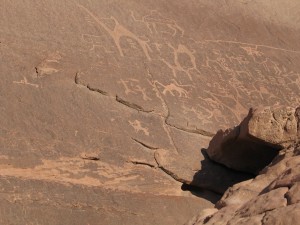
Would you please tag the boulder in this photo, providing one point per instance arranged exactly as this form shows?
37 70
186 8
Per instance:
254 143
272 197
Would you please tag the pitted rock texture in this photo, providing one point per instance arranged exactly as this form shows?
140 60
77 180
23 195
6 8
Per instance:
254 143
270 198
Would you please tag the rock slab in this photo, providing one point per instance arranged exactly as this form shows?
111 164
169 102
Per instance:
273 196
253 144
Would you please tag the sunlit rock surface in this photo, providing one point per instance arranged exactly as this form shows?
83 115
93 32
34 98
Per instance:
91 91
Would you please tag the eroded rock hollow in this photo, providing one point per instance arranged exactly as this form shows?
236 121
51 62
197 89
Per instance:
272 197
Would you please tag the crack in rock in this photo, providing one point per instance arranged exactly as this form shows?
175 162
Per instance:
193 131
36 71
136 162
166 171
145 145
89 157
117 98
77 81
97 90
167 110
132 105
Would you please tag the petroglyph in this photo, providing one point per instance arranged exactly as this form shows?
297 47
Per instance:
25 82
119 32
241 60
133 86
225 68
250 44
46 67
137 126
252 51
173 88
186 66
154 19
126 86
96 41
143 92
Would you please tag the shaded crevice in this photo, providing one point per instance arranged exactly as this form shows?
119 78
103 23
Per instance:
132 105
117 98
265 214
171 174
195 189
77 81
193 131
36 71
146 164
97 90
168 172
93 158
273 115
288 201
263 218
145 145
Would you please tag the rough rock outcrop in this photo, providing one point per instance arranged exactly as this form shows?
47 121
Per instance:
253 144
273 197
210 175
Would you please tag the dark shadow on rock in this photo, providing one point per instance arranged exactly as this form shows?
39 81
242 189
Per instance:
211 196
216 177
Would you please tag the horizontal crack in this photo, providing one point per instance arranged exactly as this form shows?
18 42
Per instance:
91 158
132 105
135 162
141 109
97 90
194 131
117 98
77 81
144 145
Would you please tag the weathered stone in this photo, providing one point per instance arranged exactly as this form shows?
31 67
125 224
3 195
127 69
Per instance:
275 126
293 195
251 220
89 90
255 142
263 203
270 198
222 217
203 217
287 179
284 215
210 175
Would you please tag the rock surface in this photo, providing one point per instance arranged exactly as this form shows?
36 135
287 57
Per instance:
270 198
91 91
253 144
209 175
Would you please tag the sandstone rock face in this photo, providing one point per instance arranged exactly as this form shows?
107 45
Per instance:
270 198
103 102
210 175
253 144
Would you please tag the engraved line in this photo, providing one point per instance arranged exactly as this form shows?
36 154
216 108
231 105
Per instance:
251 44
